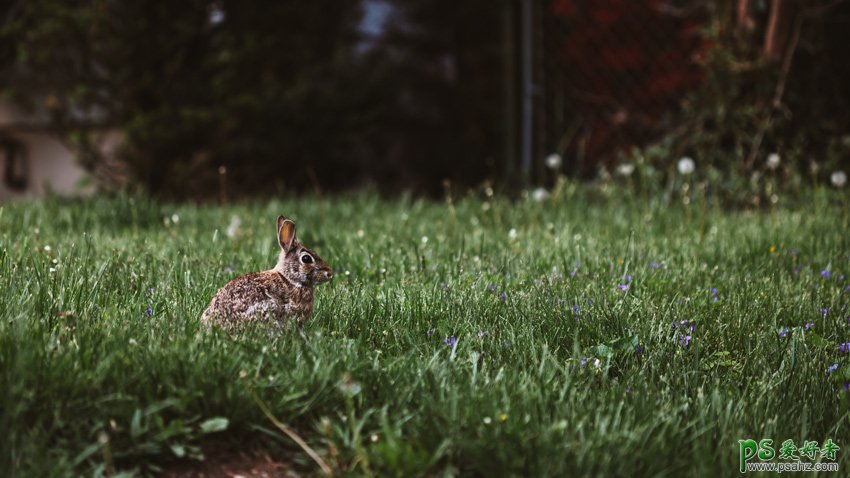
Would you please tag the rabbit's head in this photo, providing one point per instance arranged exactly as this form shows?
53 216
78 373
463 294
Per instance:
299 265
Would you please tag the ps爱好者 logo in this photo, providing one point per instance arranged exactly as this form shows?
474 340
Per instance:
763 455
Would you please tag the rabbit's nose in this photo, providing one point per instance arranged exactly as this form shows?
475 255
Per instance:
329 274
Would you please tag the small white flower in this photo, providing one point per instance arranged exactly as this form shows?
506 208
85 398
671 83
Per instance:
233 227
424 239
360 233
216 15
686 165
597 363
175 218
838 179
348 386
47 248
52 270
772 161
554 161
625 169
488 420
512 233
540 194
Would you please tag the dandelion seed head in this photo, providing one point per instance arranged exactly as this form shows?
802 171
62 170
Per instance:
540 195
773 161
686 165
554 161
838 179
626 169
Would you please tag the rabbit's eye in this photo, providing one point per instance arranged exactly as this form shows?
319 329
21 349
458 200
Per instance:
307 259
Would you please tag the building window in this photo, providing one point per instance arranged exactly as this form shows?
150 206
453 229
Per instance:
14 160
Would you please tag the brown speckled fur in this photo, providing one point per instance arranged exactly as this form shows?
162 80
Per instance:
282 293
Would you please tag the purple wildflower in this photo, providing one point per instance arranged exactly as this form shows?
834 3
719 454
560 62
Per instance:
638 349
675 325
576 310
832 368
623 287
148 311
824 311
443 285
684 341
583 362
572 273
846 387
503 296
845 347
714 291
654 265
228 270
627 278
491 288
809 325
451 341
783 333
825 273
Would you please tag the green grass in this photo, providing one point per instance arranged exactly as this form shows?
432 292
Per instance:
91 384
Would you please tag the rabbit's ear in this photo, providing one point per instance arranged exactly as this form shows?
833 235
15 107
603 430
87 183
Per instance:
285 233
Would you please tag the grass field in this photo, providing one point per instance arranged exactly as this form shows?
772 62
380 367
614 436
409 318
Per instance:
595 333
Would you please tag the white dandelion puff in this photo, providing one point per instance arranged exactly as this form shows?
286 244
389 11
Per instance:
686 166
838 179
554 161
773 161
626 169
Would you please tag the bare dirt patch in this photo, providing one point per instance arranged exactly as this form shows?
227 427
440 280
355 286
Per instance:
223 461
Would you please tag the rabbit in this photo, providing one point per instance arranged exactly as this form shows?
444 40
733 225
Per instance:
284 292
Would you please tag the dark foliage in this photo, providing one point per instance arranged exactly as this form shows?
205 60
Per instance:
286 96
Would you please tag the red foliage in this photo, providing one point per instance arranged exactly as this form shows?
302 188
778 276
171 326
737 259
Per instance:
627 58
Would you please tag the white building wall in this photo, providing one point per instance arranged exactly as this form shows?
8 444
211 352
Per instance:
50 163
